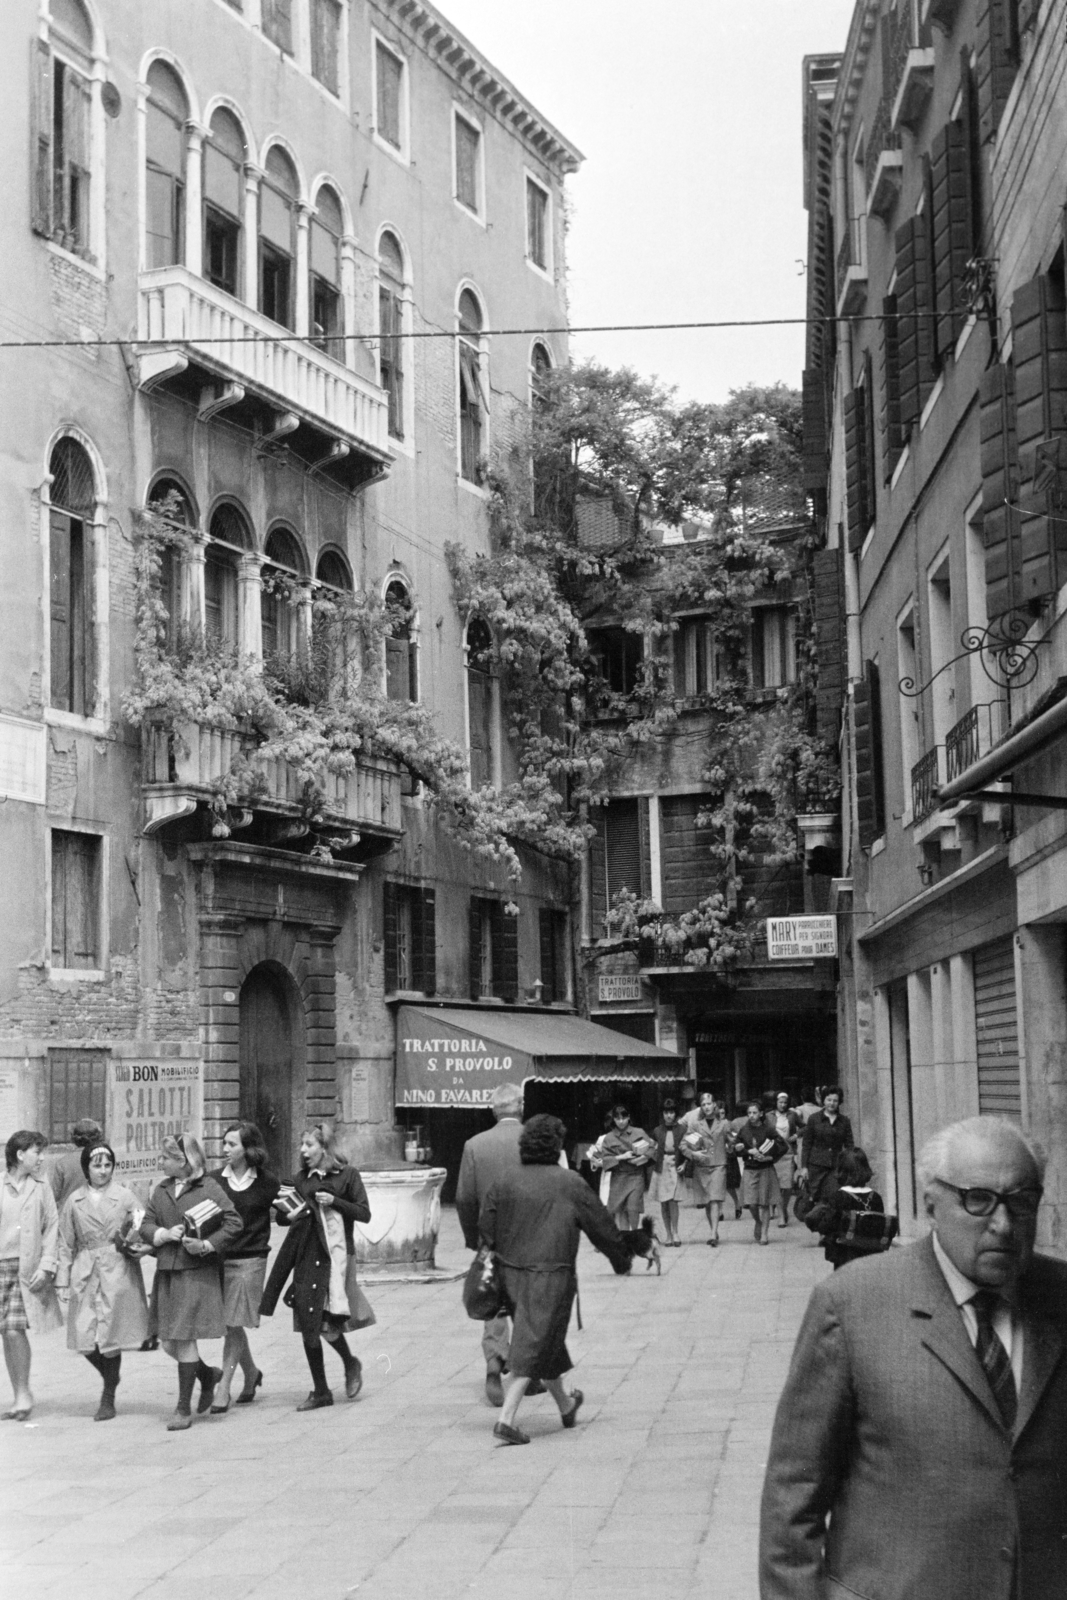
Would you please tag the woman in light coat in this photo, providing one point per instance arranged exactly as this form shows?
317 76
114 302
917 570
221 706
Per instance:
29 1256
108 1312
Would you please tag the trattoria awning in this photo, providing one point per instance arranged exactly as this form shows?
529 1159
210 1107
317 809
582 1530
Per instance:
457 1058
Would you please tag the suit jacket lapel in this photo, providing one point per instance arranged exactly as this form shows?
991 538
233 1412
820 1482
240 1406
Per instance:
1042 1349
942 1331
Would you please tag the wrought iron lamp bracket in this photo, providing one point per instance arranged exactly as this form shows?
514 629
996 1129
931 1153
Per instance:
1009 660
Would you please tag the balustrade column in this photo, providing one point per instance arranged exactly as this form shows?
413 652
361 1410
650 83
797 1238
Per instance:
250 606
253 178
194 197
303 271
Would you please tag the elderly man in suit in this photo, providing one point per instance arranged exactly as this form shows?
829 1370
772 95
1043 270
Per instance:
486 1157
920 1446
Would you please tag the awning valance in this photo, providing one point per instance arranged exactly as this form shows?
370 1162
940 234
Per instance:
457 1058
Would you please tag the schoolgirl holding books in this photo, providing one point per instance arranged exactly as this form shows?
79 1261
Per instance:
190 1221
253 1191
758 1146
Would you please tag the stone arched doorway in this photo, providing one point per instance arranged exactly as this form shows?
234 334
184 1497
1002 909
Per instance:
273 1060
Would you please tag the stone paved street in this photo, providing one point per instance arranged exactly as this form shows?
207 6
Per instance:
404 1492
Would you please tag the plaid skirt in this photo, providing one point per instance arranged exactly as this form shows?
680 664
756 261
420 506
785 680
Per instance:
13 1318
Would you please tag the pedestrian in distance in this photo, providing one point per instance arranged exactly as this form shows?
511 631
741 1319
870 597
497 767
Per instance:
917 1452
29 1258
487 1157
533 1218
625 1153
705 1154
107 1312
67 1172
319 1254
191 1222
827 1132
252 1190
758 1147
664 1184
787 1126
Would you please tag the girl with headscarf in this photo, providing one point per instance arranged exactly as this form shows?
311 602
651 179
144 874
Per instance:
108 1312
191 1221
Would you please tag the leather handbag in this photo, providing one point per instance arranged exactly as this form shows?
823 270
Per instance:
483 1289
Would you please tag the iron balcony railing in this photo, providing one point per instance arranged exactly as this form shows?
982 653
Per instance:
883 136
971 738
925 779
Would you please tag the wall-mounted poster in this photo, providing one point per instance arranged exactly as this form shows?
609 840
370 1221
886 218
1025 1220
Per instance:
146 1101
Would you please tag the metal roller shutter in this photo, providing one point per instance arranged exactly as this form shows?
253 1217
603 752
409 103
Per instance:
997 1027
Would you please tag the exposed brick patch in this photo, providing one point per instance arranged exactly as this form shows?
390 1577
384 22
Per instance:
79 299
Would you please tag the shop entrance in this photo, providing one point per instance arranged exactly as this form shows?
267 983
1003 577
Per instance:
272 1060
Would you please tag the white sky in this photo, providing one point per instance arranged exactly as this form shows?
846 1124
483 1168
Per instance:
690 203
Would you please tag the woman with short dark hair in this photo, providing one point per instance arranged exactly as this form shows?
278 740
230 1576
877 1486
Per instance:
29 1257
625 1152
252 1190
108 1312
533 1219
663 1186
191 1222
757 1144
827 1134
319 1253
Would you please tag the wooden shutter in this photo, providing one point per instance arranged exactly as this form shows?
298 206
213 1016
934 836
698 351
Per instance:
424 940
325 33
389 76
814 426
950 230
41 86
688 870
1000 520
397 669
480 699
60 621
870 449
831 650
75 900
856 500
546 929
1039 360
892 432
505 954
867 722
914 318
996 1020
997 59
77 1088
474 940
389 937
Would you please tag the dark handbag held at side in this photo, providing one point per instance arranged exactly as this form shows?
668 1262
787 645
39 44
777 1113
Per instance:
483 1291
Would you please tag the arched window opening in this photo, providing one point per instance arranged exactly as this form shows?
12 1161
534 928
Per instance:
401 664
170 502
480 702
229 537
224 160
70 544
540 368
282 572
391 328
166 113
333 571
63 127
278 195
471 388
327 307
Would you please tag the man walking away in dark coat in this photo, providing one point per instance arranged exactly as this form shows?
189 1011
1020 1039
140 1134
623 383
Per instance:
487 1157
918 1450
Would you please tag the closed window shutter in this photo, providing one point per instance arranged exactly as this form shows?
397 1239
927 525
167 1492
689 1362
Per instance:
547 940
950 230
598 874
870 448
1000 520
389 937
424 940
914 319
867 722
41 139
1039 359
814 422
397 669
996 62
996 1018
892 433
325 36
856 500
60 611
830 645
688 869
474 936
505 954
480 691
389 76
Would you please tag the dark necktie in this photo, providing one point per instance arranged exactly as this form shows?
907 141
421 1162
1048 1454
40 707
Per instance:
996 1363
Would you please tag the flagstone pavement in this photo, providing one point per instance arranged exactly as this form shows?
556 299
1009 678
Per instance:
404 1493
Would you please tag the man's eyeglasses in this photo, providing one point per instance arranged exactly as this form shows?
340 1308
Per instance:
1021 1203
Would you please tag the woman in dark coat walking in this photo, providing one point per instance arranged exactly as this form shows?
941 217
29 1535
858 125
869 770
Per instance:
253 1191
826 1134
319 1254
190 1221
533 1220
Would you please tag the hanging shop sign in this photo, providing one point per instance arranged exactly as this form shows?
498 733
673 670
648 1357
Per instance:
618 986
801 938
147 1101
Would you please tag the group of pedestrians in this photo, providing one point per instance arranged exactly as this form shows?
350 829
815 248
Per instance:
210 1236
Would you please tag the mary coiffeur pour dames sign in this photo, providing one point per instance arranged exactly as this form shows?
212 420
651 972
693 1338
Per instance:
801 938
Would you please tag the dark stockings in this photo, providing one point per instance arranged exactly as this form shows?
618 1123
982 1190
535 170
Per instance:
108 1368
317 1366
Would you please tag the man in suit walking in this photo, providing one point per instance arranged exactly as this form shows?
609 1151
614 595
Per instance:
486 1157
920 1446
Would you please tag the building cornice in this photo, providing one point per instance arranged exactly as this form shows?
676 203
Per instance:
854 64
432 33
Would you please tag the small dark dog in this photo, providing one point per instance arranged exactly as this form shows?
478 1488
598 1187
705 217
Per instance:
642 1242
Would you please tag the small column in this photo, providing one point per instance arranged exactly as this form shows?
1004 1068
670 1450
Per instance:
348 297
253 177
194 208
304 619
142 179
192 581
303 276
249 606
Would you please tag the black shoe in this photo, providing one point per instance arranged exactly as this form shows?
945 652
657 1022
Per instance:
494 1388
248 1393
353 1378
315 1401
571 1417
510 1435
207 1389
